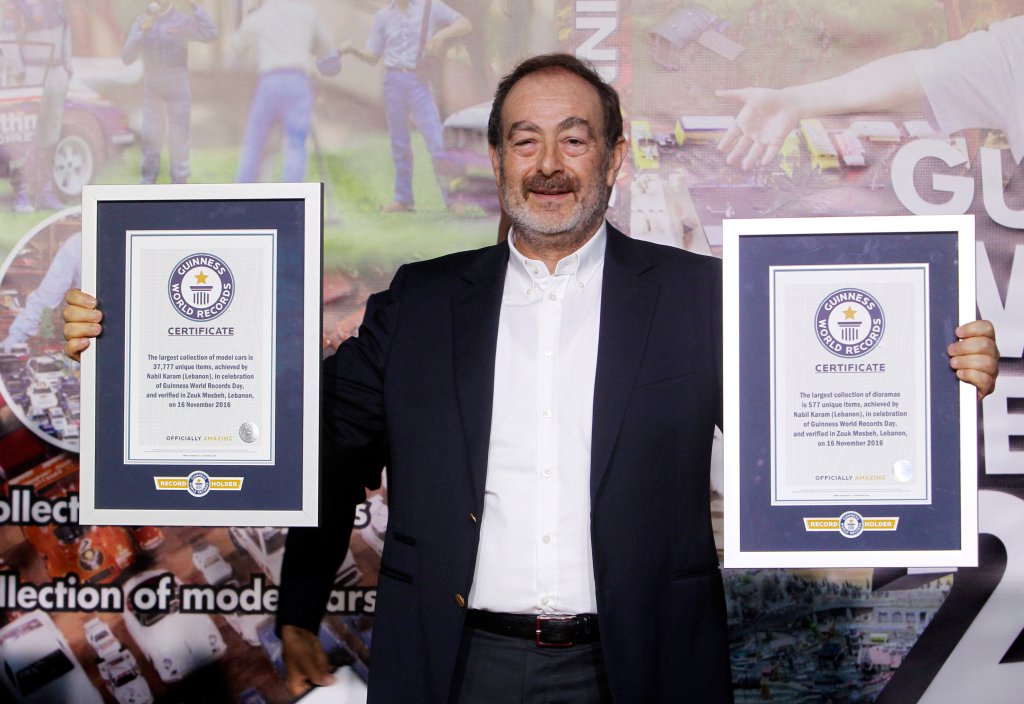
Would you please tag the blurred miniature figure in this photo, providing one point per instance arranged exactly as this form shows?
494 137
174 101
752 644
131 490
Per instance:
285 35
407 34
65 272
39 42
161 37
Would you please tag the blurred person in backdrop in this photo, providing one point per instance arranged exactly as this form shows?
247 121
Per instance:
288 38
64 272
161 37
407 35
36 39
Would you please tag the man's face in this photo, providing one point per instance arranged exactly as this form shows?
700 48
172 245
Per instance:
554 172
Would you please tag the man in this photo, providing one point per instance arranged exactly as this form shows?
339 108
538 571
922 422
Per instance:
161 37
285 35
545 408
406 37
42 46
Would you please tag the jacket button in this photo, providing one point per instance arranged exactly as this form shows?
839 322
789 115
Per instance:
460 601
472 517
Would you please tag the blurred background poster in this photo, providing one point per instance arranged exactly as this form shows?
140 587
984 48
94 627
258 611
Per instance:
915 106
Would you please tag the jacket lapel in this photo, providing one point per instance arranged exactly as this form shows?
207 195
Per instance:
475 311
627 305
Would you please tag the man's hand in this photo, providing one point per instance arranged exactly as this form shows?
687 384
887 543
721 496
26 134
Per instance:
975 356
435 46
305 662
762 125
81 322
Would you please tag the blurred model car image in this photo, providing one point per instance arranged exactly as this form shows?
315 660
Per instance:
176 644
466 161
46 369
147 537
264 545
100 638
120 672
208 560
97 554
38 666
246 625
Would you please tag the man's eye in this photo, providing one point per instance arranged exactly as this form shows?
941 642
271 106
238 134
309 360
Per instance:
574 145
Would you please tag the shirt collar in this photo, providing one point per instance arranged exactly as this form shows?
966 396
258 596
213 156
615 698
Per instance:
582 264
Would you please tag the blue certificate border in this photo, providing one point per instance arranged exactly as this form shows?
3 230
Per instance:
277 487
764 527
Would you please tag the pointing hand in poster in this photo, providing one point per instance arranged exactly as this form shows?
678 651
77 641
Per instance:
968 82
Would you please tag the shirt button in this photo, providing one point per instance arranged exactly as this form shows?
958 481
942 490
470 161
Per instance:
581 284
552 297
546 539
546 413
533 269
546 473
545 601
548 353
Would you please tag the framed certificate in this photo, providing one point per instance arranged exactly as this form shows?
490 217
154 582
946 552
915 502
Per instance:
849 440
201 400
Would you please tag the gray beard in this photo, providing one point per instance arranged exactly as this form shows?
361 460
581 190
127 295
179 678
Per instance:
542 236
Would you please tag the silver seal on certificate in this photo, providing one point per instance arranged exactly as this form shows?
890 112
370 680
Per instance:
249 431
201 287
903 471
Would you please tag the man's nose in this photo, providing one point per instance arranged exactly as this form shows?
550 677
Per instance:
550 159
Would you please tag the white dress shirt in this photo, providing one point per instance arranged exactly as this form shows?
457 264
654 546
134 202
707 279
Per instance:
535 551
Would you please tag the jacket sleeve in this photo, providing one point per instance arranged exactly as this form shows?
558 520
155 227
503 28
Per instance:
353 453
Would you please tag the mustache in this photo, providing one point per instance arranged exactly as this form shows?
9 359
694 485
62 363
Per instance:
558 183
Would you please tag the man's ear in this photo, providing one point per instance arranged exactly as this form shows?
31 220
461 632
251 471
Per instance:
615 163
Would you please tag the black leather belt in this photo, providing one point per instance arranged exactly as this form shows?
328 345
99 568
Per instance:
542 629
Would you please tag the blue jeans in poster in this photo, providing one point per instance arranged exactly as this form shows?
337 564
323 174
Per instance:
283 97
405 96
166 107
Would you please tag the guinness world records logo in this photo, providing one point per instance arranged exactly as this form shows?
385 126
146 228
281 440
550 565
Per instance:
849 322
201 287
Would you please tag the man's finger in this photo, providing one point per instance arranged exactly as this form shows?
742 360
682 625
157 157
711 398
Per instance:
985 383
74 348
77 330
78 314
974 346
976 362
976 328
78 297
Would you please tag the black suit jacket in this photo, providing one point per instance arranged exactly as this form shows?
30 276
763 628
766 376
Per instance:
414 392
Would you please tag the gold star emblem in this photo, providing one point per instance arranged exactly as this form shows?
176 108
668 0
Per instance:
849 313
201 278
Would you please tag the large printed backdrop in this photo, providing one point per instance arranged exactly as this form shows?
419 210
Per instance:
797 636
